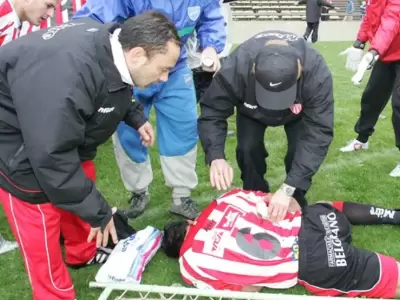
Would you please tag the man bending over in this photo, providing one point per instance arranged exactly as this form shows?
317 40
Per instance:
232 245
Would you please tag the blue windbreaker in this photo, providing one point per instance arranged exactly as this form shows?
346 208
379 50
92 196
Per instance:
202 16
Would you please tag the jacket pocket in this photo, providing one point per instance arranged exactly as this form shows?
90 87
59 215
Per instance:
15 160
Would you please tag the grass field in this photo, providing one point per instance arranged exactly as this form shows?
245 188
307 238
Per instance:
361 177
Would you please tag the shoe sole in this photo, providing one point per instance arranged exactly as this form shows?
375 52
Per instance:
181 215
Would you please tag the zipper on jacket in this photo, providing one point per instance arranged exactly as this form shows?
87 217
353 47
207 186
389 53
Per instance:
18 152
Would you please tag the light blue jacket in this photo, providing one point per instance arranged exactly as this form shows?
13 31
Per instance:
202 16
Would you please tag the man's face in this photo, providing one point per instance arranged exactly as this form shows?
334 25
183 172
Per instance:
146 71
38 10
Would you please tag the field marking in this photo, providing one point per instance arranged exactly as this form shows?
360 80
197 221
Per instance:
156 212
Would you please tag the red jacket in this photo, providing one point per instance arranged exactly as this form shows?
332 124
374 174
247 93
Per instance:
381 28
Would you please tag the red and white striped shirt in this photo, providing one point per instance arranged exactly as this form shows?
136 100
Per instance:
11 27
9 22
230 246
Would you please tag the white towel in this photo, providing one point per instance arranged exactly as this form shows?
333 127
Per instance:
130 256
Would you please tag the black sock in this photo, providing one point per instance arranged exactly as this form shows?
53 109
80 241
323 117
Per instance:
364 214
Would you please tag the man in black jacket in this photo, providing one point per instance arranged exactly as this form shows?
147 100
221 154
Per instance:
313 16
63 91
273 79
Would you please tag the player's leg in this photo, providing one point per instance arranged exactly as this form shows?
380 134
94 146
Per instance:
396 117
176 113
330 266
373 100
314 36
292 130
251 153
366 214
308 31
36 227
79 252
133 159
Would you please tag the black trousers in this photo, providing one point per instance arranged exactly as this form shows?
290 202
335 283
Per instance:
312 27
383 83
251 154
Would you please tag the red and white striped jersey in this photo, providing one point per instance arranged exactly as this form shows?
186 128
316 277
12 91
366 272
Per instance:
9 22
11 27
231 246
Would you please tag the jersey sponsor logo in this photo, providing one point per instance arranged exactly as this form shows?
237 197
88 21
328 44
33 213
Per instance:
214 245
278 35
105 110
382 212
334 248
51 32
194 12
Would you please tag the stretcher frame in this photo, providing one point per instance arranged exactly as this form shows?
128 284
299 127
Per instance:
158 292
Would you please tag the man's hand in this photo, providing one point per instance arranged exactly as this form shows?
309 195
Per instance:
279 203
210 60
221 174
146 134
102 237
354 56
367 62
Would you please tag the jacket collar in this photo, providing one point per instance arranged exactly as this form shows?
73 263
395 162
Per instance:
106 58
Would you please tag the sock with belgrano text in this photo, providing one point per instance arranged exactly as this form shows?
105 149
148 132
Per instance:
365 214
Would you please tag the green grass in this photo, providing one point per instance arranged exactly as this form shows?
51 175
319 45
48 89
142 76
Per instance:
361 177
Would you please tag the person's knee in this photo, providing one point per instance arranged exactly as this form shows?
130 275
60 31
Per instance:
130 143
250 150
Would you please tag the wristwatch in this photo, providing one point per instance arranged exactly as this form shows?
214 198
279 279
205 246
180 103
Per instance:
359 45
287 189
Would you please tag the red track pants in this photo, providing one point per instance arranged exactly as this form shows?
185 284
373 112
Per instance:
37 227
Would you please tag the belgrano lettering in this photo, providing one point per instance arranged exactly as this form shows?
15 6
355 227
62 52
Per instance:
334 248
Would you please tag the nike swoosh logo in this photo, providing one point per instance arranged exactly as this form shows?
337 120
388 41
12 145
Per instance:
274 84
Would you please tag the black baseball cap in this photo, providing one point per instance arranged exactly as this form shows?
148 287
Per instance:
276 73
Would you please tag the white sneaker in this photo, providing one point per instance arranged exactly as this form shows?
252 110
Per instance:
354 145
396 171
6 246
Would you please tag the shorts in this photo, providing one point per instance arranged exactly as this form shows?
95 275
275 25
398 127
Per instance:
330 266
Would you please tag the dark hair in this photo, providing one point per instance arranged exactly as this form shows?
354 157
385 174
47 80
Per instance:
150 30
174 235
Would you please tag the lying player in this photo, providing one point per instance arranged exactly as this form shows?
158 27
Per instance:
233 246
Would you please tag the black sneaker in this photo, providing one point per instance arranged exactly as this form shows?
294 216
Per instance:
138 203
101 256
187 209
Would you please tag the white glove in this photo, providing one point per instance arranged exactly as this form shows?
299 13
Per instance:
354 56
366 63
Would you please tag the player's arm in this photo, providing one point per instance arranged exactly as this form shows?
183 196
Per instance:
317 128
53 127
388 28
210 28
216 106
106 11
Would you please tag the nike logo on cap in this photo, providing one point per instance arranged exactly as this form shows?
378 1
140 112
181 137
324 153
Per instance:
274 84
